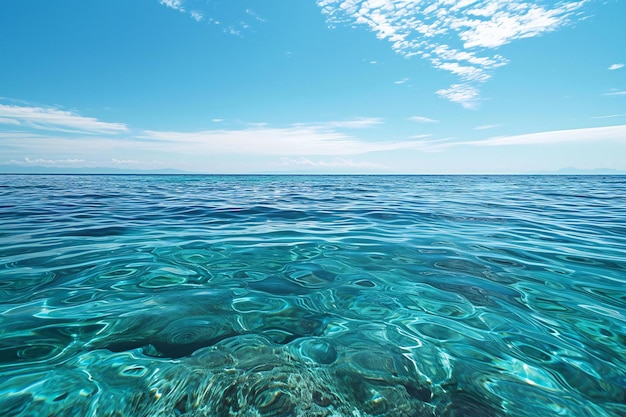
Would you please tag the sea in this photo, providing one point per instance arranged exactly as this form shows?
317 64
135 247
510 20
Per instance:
412 296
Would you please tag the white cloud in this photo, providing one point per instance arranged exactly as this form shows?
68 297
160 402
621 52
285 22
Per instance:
47 162
422 119
558 136
18 135
197 16
510 20
232 31
324 138
217 14
616 67
6 121
325 145
464 94
53 119
433 145
466 72
455 36
609 116
615 93
332 163
125 161
173 4
358 123
256 16
297 140
484 127
259 124
402 81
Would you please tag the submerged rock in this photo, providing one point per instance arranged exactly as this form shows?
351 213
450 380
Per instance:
246 375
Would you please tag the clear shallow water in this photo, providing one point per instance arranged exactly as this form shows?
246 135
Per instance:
312 296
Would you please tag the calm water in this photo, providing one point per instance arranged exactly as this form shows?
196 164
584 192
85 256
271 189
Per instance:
312 296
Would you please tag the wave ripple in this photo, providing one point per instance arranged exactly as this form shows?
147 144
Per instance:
312 296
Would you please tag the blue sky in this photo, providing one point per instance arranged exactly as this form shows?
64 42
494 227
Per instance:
321 86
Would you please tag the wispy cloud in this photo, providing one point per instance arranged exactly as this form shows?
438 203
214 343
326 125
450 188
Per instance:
402 81
331 163
609 116
485 127
616 67
422 119
255 15
557 136
432 145
125 161
21 135
47 162
327 145
358 123
216 14
615 93
197 16
5 121
173 4
296 140
45 118
465 94
455 36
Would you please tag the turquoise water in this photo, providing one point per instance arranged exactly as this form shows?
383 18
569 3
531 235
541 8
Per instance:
312 296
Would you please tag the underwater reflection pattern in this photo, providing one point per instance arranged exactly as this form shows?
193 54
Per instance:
312 296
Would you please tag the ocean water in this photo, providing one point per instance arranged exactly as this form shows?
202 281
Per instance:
451 296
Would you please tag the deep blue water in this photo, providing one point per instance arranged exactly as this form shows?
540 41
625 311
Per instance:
478 296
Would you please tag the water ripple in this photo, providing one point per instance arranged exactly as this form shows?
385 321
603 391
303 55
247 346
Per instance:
317 296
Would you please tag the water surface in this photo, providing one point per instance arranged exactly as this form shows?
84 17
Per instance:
312 296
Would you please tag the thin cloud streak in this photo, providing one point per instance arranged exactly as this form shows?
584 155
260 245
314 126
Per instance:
616 67
125 161
332 163
46 162
485 127
58 120
291 141
422 119
359 123
6 121
612 133
610 116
